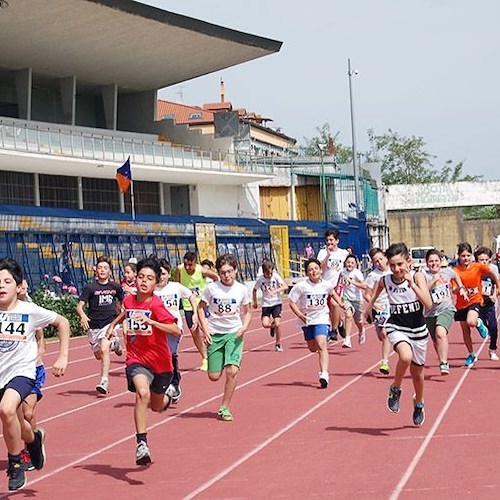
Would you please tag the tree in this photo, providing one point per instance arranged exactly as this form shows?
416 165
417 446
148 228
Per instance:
405 161
342 153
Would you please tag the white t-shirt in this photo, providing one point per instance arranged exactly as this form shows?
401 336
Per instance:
312 299
224 306
382 302
18 345
171 295
334 265
350 291
265 285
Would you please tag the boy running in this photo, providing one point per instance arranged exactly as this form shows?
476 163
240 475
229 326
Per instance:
103 298
407 293
148 360
332 260
228 304
271 284
439 316
380 311
309 302
171 293
193 276
487 313
18 353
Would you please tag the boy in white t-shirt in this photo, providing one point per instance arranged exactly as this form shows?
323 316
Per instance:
171 293
350 289
19 321
309 302
228 305
271 284
332 260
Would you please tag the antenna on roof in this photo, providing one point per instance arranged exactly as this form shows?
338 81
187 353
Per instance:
180 93
222 91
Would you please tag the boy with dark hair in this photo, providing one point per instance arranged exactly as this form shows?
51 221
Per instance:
487 312
193 276
103 298
172 292
148 361
18 353
332 260
271 284
228 304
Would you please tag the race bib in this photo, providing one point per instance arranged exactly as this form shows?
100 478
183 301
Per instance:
315 301
171 301
225 307
380 317
487 287
13 326
135 326
196 290
440 293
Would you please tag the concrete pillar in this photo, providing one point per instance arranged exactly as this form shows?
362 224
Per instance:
24 81
110 101
80 193
67 89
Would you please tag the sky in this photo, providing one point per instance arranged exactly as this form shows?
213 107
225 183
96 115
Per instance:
427 68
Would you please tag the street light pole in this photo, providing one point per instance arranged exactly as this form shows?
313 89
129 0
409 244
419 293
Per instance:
355 166
322 184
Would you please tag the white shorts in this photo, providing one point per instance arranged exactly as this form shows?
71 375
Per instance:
418 346
95 335
357 309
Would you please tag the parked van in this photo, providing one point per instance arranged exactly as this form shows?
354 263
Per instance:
417 255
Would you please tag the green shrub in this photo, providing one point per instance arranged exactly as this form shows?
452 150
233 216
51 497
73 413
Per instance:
63 304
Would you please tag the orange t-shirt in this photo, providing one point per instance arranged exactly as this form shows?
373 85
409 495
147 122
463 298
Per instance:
471 278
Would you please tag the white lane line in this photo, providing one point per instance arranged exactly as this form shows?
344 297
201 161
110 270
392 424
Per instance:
423 447
162 422
275 436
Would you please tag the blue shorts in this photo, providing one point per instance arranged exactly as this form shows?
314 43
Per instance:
39 382
22 385
312 331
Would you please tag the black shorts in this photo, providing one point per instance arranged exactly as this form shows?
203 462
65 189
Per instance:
158 382
461 314
274 311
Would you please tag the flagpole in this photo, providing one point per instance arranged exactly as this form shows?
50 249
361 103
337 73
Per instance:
132 201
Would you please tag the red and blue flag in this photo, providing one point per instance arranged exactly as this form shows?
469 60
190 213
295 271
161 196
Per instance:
124 176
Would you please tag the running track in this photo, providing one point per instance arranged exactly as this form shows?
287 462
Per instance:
289 438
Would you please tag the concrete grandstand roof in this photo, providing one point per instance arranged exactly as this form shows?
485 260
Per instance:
134 45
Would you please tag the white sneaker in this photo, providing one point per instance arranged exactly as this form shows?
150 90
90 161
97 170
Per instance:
103 386
347 343
116 346
362 337
324 378
494 356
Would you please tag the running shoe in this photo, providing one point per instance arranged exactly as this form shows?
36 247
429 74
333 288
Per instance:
481 328
332 335
383 367
418 413
116 347
393 399
494 355
347 344
470 360
142 453
324 378
444 368
26 461
225 414
204 365
36 449
278 348
174 392
362 337
17 476
103 386
272 331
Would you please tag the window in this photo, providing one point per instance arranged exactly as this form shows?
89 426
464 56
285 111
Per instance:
17 188
58 191
101 195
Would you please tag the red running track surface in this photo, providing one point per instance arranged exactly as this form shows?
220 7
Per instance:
289 439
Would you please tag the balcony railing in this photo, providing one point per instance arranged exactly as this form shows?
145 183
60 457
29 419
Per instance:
54 140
